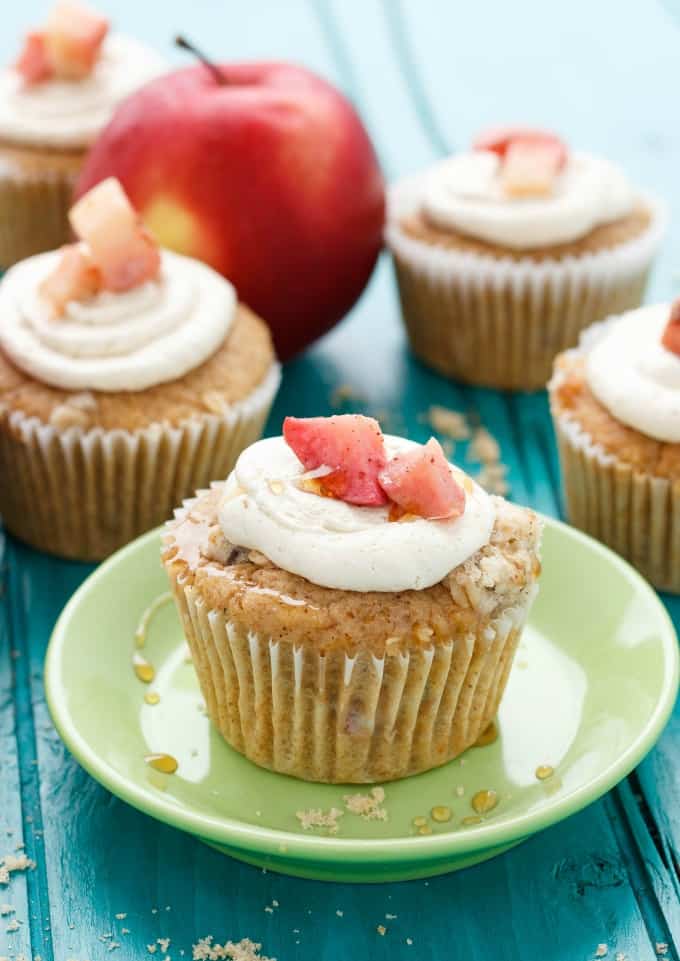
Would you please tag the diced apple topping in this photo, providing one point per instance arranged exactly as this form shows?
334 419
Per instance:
33 63
499 140
421 482
530 159
69 46
75 277
530 169
671 334
120 245
350 445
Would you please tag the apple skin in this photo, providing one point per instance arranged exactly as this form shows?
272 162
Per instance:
270 178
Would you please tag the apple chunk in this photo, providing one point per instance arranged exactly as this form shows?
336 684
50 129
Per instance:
73 38
671 335
530 169
122 248
75 277
421 482
351 445
33 63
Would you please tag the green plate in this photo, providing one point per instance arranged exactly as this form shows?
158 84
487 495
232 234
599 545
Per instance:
594 681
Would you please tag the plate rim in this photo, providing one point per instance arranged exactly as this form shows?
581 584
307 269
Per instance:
277 842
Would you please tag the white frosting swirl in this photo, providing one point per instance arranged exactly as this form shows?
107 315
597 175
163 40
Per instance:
71 114
633 375
465 193
338 545
116 342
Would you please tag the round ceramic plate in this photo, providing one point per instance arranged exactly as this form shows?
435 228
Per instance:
593 683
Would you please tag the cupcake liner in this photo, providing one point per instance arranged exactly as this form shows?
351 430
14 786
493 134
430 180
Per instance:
500 322
636 514
339 719
34 210
82 494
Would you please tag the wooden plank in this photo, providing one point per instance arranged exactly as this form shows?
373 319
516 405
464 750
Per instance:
558 896
15 893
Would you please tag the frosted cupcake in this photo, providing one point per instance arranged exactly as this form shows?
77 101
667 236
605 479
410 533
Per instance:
352 601
616 406
54 101
128 377
505 253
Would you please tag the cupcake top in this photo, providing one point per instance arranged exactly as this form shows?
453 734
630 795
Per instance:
69 78
112 312
632 366
521 188
336 502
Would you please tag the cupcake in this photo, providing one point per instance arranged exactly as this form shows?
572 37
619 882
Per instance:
352 601
615 402
505 253
129 376
54 101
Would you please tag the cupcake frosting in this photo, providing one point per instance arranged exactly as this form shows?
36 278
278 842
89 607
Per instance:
338 545
70 114
465 193
116 341
633 375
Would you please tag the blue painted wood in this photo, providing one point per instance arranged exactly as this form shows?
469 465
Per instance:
424 76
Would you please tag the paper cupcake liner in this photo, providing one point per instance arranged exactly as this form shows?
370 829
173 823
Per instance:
82 494
636 514
340 719
33 212
500 322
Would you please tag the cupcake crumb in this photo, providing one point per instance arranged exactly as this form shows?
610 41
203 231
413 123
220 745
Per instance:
342 393
65 416
9 863
661 947
367 806
6 909
451 423
382 930
317 818
601 950
245 950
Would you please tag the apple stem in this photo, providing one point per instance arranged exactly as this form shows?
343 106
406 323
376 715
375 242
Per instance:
217 73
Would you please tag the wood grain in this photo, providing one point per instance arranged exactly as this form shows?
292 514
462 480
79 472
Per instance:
425 76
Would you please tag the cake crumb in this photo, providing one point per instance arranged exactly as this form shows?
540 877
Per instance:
620 956
484 447
6 909
342 393
245 950
390 917
382 930
450 423
367 806
460 791
10 863
125 931
12 926
601 950
122 916
661 947
151 948
164 944
340 913
409 941
317 818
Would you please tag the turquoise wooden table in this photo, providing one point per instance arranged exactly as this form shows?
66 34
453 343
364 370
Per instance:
108 880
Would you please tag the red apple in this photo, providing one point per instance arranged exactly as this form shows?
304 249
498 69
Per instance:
268 176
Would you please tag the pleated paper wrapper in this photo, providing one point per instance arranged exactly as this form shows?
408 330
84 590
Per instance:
500 322
339 719
35 206
636 514
82 494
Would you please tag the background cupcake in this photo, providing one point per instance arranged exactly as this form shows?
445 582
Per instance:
504 253
616 406
128 377
355 622
54 101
